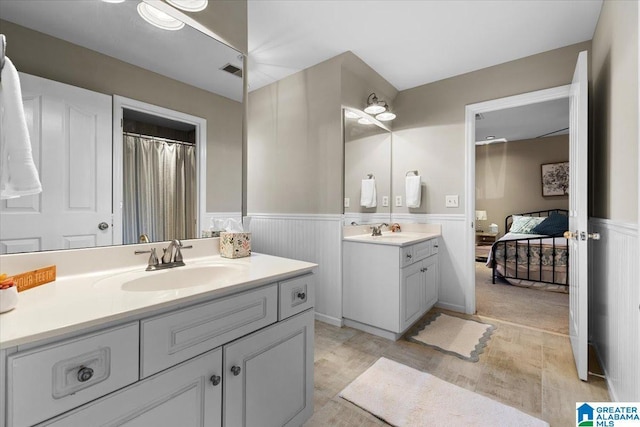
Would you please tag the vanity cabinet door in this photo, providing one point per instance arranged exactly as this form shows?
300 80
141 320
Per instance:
187 395
411 290
431 279
269 375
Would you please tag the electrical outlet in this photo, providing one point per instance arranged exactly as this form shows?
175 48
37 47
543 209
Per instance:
398 201
385 201
347 202
451 201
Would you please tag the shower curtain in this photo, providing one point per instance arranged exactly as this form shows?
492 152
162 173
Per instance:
159 189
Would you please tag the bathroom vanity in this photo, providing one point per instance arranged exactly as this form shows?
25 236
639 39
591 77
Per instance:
218 342
389 281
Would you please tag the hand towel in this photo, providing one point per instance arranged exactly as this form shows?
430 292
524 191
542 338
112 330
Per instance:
413 191
18 176
368 193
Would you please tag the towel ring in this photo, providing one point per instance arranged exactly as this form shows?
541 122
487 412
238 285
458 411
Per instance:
370 176
415 173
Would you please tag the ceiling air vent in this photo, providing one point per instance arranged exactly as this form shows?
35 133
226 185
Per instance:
232 69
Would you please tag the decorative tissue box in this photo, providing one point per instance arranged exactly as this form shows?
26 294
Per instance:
235 245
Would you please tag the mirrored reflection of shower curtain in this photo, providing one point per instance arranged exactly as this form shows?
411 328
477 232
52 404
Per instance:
159 189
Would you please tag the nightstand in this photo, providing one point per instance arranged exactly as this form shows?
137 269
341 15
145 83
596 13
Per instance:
484 240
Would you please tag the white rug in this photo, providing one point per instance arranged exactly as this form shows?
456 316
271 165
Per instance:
463 338
403 397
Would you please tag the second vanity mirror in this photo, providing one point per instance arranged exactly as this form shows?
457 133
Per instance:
107 48
367 169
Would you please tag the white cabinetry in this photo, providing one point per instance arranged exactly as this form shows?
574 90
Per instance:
167 369
386 288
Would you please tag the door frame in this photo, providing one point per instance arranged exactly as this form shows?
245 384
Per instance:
470 169
119 104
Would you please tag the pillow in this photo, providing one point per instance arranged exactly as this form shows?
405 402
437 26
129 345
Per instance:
554 225
525 224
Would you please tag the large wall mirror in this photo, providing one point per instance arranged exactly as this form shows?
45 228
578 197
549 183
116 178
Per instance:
194 84
367 169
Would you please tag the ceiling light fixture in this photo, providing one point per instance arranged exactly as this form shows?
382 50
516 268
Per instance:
158 18
113 1
492 141
189 5
378 108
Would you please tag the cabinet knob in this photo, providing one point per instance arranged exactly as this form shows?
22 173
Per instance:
435 246
215 379
302 295
235 370
409 256
84 374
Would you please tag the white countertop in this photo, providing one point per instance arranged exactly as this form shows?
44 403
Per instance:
400 238
75 302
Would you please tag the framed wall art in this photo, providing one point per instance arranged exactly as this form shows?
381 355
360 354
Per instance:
555 179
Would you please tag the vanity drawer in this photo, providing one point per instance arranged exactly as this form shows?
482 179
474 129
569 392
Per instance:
52 379
169 339
434 246
422 250
296 295
406 256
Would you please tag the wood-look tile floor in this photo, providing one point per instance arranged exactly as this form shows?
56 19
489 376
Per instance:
529 369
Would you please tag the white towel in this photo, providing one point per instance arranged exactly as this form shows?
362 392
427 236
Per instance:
368 195
413 191
18 176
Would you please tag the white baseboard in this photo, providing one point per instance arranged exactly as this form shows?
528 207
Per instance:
453 307
329 320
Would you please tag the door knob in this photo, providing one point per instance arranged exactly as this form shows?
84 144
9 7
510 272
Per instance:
571 235
103 225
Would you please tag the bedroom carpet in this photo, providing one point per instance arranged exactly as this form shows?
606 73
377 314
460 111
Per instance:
523 306
462 338
404 397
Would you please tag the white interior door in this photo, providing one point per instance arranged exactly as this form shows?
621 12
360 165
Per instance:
70 131
578 255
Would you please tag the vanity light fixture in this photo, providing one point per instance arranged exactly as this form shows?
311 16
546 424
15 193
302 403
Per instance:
189 5
364 121
373 105
113 1
351 115
378 108
158 18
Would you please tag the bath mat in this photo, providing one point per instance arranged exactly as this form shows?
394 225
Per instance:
462 338
405 397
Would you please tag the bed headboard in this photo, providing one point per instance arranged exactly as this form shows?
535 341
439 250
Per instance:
509 219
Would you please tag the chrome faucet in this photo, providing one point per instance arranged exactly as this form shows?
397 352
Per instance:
377 229
169 258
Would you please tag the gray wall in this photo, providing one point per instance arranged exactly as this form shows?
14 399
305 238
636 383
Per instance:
295 148
614 65
51 58
429 133
508 177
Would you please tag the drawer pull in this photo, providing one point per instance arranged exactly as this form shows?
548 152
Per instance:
235 370
84 374
435 246
409 256
215 379
302 295
424 269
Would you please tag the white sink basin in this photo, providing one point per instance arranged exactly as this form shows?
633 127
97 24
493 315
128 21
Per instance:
171 278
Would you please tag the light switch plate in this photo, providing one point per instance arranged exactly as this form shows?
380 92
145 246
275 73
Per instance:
347 202
385 201
451 201
398 201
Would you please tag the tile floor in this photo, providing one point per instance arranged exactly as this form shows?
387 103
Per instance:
529 369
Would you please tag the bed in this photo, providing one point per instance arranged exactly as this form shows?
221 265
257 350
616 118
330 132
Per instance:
531 256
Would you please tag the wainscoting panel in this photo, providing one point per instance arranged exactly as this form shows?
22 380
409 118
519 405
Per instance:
312 238
614 305
453 283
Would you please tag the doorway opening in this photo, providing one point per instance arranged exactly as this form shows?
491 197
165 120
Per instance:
159 172
522 156
482 294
